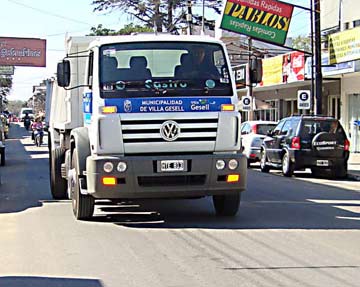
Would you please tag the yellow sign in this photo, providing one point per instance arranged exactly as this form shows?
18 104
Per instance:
272 71
344 46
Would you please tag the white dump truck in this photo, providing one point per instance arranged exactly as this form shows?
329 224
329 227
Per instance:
145 116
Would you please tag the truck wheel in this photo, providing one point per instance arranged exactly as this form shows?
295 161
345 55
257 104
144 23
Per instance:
57 183
227 205
287 165
83 205
263 166
2 152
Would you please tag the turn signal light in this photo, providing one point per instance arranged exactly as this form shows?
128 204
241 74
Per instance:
232 178
109 180
227 108
109 110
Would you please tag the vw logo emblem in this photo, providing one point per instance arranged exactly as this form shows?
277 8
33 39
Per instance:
170 131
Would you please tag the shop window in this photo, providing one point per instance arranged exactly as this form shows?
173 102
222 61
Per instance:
291 108
335 106
268 114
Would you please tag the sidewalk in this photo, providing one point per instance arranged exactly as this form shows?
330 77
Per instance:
354 166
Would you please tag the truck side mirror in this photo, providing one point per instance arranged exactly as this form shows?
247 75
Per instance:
63 73
256 70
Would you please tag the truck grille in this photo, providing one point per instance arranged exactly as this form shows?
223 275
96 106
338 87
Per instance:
195 133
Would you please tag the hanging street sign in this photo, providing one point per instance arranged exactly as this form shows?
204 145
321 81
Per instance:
246 103
265 20
304 100
22 52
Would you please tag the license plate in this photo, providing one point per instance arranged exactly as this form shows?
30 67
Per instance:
322 163
171 165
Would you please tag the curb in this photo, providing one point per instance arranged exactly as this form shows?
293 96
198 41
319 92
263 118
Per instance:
353 176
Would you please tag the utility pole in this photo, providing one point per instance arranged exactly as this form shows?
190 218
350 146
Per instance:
189 17
250 87
318 74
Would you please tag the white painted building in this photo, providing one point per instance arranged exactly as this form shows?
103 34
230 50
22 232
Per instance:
338 16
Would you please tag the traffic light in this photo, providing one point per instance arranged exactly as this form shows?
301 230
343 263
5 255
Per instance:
255 71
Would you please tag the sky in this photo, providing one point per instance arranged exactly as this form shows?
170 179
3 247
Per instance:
53 20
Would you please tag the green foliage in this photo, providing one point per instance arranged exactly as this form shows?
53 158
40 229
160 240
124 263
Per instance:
162 14
131 28
100 31
5 85
302 43
126 30
15 106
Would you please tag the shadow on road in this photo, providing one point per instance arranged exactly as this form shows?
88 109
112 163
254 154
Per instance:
27 281
269 203
25 176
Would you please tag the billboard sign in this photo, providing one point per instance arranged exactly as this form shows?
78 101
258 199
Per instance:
266 20
344 46
282 69
6 70
240 76
272 71
22 52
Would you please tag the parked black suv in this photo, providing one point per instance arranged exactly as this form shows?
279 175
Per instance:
300 142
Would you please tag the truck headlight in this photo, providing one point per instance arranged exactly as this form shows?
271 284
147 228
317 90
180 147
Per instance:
108 167
220 164
233 164
122 166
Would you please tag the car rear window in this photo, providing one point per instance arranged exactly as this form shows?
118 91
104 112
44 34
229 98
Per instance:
263 129
309 128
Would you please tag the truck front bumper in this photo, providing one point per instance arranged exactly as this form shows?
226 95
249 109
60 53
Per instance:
142 178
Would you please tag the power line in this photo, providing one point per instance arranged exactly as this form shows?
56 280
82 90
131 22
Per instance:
48 12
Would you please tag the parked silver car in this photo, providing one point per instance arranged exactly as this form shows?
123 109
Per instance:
252 135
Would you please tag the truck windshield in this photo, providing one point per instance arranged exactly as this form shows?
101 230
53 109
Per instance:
163 68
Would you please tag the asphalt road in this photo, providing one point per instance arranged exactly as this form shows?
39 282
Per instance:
290 232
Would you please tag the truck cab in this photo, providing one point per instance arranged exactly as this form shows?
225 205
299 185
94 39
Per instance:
146 117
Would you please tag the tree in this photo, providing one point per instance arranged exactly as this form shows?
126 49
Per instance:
15 106
167 14
100 31
126 30
5 87
302 42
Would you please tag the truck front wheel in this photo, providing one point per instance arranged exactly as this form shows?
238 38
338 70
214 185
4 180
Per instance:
227 205
82 205
57 183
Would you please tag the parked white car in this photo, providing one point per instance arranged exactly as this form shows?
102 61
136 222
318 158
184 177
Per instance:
252 135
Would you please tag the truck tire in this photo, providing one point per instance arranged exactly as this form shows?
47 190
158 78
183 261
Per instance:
2 152
227 205
82 205
287 166
57 183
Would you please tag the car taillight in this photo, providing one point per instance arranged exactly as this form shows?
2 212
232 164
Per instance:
254 129
346 145
295 143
